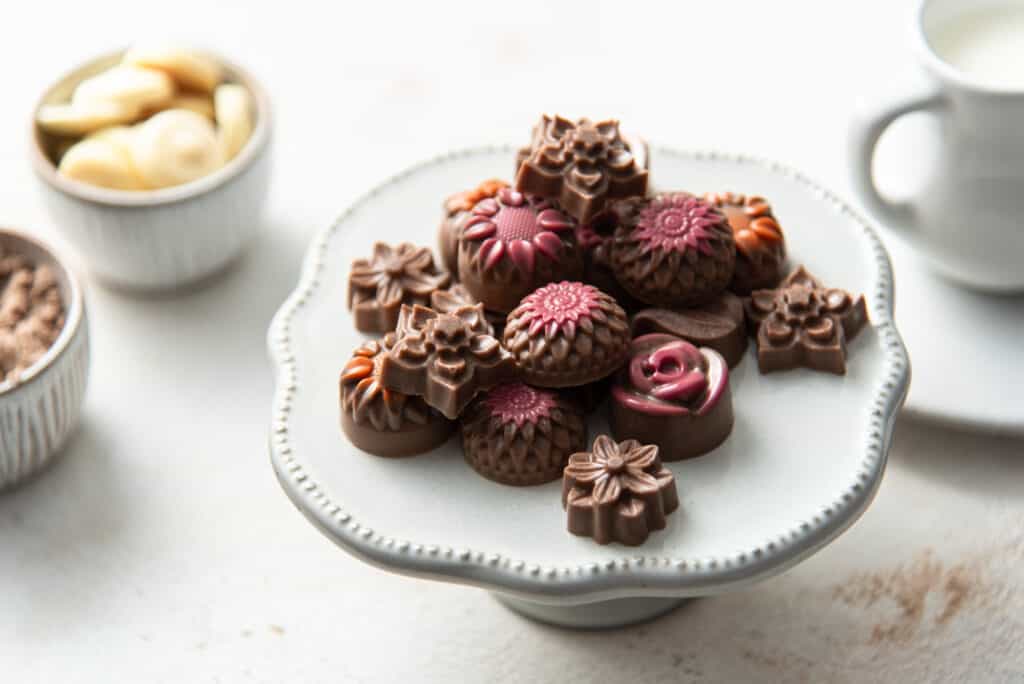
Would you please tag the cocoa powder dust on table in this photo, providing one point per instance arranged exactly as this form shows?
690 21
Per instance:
31 313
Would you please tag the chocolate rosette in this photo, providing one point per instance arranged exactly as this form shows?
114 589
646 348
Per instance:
620 491
677 251
674 395
381 421
446 358
760 245
567 334
393 276
511 245
521 435
456 211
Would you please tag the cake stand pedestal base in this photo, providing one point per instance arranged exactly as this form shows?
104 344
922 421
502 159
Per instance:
599 615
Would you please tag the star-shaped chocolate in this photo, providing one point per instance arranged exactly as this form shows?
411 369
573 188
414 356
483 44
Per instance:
446 358
804 324
582 165
393 276
619 491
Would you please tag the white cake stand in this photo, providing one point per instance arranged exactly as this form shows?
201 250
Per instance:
803 462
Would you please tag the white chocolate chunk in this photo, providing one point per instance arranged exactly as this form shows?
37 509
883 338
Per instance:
84 118
234 118
99 161
174 147
190 69
130 87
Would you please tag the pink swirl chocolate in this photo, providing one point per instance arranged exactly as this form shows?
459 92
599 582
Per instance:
674 395
512 244
581 165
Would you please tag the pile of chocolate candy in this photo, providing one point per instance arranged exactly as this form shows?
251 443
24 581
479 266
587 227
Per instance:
569 286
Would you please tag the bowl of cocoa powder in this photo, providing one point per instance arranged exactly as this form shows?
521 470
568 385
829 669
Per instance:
44 355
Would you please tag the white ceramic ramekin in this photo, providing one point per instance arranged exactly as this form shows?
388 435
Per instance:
159 239
39 411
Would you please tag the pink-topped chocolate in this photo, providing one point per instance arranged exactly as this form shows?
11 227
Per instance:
518 403
513 243
672 394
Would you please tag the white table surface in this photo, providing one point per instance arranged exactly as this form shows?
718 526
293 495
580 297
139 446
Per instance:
160 548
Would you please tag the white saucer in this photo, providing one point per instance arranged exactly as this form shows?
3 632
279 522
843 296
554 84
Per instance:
967 347
803 462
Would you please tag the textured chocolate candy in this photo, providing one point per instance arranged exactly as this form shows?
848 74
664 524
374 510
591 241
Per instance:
677 251
456 211
582 165
511 245
719 324
674 395
446 358
393 276
381 421
521 435
619 491
567 334
446 301
760 245
595 239
804 324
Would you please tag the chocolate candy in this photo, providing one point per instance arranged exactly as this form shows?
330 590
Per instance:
511 245
676 251
804 324
521 435
567 334
446 301
446 358
456 212
392 277
618 492
580 165
719 324
595 239
760 246
381 421
674 395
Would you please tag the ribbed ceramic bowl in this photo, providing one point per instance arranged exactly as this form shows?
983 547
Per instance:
159 239
40 410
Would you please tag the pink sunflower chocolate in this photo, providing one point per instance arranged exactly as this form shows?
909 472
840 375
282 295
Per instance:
512 244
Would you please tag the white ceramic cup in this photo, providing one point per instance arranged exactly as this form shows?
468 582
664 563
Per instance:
969 219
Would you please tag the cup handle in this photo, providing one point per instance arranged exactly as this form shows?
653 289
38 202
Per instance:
869 122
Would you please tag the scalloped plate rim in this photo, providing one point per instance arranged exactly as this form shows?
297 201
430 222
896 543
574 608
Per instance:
633 574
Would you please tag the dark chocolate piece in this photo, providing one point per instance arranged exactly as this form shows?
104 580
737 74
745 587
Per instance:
674 395
511 245
446 301
521 435
381 421
676 252
446 358
760 245
719 324
595 239
393 276
567 334
580 165
618 492
456 212
804 324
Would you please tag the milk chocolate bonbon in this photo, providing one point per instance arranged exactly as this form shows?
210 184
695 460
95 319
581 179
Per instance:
760 245
674 395
393 276
456 211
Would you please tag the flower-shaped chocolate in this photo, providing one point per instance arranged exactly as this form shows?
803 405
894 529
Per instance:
595 239
521 435
513 243
581 165
760 246
393 276
567 334
446 358
446 301
456 211
677 251
804 324
619 491
382 421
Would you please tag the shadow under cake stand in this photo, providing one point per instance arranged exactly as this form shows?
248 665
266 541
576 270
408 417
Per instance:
805 458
